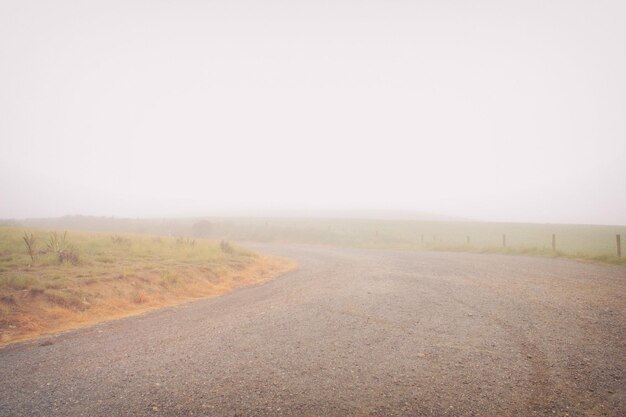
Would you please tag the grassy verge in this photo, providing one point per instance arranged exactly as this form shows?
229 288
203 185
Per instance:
585 242
86 278
509 250
582 242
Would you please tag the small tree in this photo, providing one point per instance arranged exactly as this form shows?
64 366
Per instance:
30 241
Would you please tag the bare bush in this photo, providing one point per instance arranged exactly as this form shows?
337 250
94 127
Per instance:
185 241
226 247
30 242
59 245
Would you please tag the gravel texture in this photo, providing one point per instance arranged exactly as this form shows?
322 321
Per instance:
351 332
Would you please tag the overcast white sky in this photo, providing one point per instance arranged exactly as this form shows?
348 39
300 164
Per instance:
492 110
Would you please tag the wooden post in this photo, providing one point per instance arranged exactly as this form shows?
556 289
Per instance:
504 241
468 240
422 238
618 242
553 242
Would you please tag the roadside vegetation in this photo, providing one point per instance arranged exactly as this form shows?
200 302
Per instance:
51 280
584 242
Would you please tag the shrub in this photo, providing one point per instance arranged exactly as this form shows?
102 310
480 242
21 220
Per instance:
30 241
64 251
185 241
119 240
226 247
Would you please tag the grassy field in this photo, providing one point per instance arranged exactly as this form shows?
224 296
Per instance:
82 278
587 242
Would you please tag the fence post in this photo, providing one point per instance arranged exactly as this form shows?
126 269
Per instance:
553 242
504 241
618 242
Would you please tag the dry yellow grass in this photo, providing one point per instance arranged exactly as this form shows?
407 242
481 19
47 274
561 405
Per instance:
115 278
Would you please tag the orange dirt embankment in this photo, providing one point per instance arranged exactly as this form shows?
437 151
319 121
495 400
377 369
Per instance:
33 312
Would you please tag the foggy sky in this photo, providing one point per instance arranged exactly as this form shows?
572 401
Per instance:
506 111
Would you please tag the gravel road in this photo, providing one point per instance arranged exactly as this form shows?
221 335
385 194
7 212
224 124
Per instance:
351 332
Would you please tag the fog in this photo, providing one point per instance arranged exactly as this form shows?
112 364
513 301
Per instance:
500 111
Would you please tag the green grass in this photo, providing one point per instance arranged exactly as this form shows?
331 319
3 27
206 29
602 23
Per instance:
16 281
105 250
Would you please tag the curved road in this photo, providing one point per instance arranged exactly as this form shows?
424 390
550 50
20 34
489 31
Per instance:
351 332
